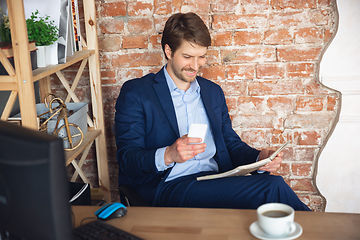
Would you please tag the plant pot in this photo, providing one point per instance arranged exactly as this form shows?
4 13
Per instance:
41 56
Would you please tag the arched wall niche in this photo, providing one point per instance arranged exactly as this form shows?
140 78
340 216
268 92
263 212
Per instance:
337 172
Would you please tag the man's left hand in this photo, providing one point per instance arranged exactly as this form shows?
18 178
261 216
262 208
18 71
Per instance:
274 165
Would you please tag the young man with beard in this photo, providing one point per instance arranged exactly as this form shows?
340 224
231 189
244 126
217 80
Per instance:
152 120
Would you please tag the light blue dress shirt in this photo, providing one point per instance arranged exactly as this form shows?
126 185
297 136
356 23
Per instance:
189 109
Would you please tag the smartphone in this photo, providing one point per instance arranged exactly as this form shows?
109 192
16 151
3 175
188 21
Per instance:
198 130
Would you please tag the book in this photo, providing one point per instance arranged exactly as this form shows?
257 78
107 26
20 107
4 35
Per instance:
76 24
244 169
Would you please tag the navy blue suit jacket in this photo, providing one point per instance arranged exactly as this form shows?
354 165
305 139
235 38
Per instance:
145 120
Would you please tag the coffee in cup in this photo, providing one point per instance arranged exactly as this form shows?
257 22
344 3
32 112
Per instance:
276 219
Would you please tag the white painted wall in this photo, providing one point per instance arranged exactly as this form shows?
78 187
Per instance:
338 177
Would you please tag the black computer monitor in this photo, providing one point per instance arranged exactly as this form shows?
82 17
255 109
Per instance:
34 191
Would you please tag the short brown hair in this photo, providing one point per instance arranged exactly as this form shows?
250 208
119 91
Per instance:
185 26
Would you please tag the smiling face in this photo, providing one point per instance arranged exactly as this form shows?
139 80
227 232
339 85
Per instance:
185 63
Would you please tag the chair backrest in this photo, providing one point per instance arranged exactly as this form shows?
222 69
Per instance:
128 195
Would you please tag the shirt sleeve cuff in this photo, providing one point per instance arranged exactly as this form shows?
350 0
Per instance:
159 160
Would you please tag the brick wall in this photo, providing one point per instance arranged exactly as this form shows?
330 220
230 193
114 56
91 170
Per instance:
265 55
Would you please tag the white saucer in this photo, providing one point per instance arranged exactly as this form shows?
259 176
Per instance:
259 233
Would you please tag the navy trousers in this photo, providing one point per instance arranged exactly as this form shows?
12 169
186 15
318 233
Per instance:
246 192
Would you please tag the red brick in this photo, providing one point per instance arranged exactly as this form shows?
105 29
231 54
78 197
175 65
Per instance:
275 88
241 71
159 23
305 154
135 42
221 39
301 70
281 103
315 88
251 104
213 57
239 21
307 137
255 121
140 26
249 54
155 41
310 104
298 54
137 60
196 6
315 120
140 8
293 4
278 37
110 93
108 81
105 61
332 102
162 7
270 71
283 170
108 74
231 103
223 5
303 185
301 169
325 3
113 9
319 17
309 35
260 6
280 137
126 74
234 88
109 44
111 26
316 203
247 38
213 72
287 19
255 137
328 34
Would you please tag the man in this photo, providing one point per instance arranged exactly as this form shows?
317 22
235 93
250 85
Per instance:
152 119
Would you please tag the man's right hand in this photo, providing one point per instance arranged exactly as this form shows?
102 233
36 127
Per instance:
183 149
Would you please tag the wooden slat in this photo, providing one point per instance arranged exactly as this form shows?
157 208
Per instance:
45 87
89 137
46 71
22 63
8 86
96 97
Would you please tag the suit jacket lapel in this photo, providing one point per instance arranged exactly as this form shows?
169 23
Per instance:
223 162
162 90
206 98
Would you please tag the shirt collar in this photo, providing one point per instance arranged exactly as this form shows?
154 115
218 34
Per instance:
194 85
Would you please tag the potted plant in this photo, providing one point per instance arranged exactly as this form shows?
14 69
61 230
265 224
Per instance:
43 31
5 27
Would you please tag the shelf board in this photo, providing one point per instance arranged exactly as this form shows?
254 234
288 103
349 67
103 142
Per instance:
42 72
89 137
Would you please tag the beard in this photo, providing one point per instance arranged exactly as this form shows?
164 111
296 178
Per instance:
182 76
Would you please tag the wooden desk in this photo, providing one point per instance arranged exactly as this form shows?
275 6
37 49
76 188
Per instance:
220 224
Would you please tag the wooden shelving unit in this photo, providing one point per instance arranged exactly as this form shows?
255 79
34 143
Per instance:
21 78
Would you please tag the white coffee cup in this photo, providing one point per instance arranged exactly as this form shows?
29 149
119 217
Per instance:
276 219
